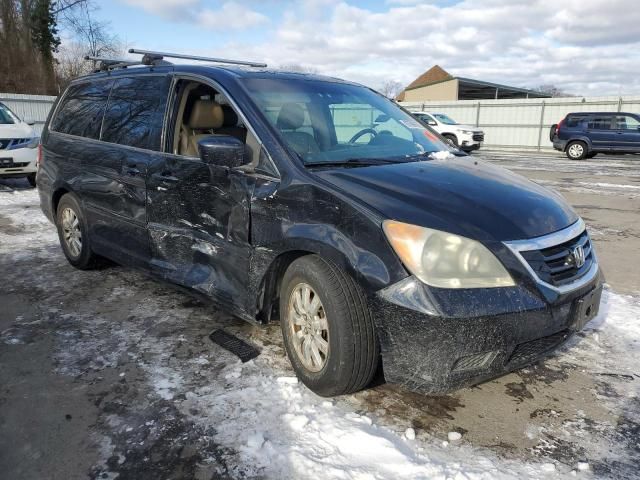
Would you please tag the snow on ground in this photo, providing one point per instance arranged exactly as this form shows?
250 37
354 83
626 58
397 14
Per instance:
268 424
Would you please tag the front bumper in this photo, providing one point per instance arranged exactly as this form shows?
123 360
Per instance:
435 340
485 334
470 142
18 162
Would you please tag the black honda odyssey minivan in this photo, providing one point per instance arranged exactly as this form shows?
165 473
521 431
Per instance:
323 204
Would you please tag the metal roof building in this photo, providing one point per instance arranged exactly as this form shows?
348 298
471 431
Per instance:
438 84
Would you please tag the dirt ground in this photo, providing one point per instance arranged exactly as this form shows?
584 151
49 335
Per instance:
98 369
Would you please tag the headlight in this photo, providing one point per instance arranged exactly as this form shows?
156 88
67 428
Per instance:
33 143
444 260
467 132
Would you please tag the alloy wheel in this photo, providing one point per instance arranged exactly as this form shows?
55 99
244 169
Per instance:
576 150
71 232
308 327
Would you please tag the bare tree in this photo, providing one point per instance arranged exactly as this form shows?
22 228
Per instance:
390 88
552 90
88 37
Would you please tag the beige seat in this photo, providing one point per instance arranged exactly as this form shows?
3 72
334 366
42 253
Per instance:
205 117
290 119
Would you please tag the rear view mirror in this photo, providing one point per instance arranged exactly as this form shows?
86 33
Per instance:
382 118
222 150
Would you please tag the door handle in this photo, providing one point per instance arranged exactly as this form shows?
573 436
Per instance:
165 180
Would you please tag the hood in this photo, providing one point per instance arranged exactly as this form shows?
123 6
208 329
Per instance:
468 127
459 195
16 130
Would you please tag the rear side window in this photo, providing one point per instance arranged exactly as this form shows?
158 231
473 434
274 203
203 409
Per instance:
82 108
574 120
599 123
135 112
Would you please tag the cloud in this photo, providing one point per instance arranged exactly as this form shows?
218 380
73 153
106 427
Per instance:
230 16
582 46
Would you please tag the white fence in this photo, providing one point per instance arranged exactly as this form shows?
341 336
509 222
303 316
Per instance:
522 123
29 107
508 124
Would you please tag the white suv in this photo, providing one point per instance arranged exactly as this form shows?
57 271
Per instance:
18 147
465 137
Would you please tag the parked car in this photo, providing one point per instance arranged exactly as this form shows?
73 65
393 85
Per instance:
465 137
585 134
18 146
276 196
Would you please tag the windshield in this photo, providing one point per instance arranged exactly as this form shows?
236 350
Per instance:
330 122
444 119
7 117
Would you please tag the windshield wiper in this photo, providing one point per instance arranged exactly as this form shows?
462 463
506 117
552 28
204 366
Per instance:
355 162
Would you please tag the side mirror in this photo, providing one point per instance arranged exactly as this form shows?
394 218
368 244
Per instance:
432 123
29 121
222 150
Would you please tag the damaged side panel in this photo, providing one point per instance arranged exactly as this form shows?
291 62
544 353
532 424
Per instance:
291 219
199 226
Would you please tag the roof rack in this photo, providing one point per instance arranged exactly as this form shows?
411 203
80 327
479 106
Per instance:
107 64
149 55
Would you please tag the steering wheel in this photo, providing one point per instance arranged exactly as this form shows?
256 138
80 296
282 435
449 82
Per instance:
362 132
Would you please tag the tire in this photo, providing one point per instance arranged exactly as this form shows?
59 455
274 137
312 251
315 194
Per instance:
340 329
73 233
31 178
452 139
576 150
552 132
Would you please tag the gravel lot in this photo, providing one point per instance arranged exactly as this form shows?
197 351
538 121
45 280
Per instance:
110 374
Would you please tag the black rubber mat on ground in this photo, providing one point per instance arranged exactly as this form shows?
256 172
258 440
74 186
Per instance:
233 344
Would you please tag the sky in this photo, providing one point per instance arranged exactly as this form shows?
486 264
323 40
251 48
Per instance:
584 47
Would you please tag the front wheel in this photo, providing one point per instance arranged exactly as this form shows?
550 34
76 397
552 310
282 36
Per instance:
328 330
31 178
576 150
451 139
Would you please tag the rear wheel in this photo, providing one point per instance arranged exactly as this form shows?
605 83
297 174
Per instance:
552 131
576 150
327 327
73 233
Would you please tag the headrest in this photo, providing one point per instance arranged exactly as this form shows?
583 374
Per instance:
230 117
291 117
206 114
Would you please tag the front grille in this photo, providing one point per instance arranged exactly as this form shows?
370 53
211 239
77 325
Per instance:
478 137
12 164
557 265
530 351
7 143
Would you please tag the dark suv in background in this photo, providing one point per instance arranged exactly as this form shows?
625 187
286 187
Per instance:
585 134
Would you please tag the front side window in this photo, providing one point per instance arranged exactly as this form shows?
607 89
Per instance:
626 122
135 113
7 117
331 122
82 109
445 119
